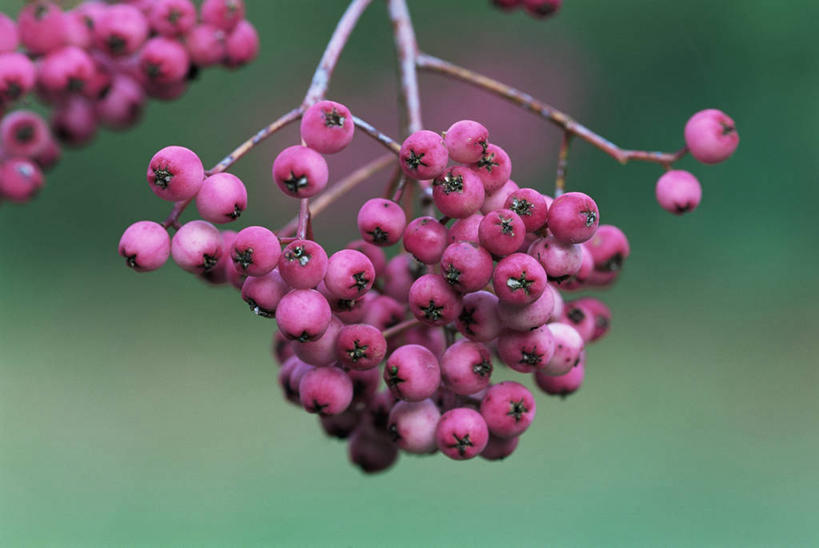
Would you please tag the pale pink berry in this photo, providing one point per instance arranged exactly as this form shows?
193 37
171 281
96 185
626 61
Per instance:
263 293
381 222
8 34
466 367
711 136
145 245
518 279
433 301
303 264
494 168
562 385
303 315
164 61
326 391
172 17
466 141
224 14
197 246
478 320
678 191
23 133
66 70
327 127
501 232
466 267
568 347
322 351
242 44
412 373
508 409
412 426
529 316
559 260
423 155
426 239
206 45
121 29
361 346
609 249
222 198
497 200
175 173
573 218
462 433
499 448
531 207
465 230
458 192
527 351
41 27
123 103
20 180
256 251
300 172
74 122
17 77
349 275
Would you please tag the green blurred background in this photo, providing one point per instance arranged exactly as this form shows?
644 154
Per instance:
143 409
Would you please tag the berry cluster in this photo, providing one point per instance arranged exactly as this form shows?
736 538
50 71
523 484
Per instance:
97 64
400 353
535 8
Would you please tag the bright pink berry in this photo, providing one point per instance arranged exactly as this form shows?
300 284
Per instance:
197 246
327 127
530 205
458 192
326 391
381 222
224 14
164 61
361 346
423 155
66 70
466 141
497 200
175 173
263 293
711 136
17 77
559 260
41 27
300 172
678 191
121 29
526 351
508 409
494 168
206 45
303 264
322 351
20 180
412 373
518 279
122 104
23 133
432 300
256 251
145 246
573 218
478 320
529 316
568 346
501 232
172 17
542 8
426 239
242 45
303 315
412 426
499 448
74 122
562 385
371 450
349 275
462 433
466 267
609 249
222 198
466 367
8 34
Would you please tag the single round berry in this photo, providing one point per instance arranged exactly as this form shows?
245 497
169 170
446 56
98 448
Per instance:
426 239
172 17
222 198
242 45
609 249
326 391
711 136
322 351
20 180
175 173
562 385
529 316
412 373
374 253
678 192
381 222
508 409
300 172
9 38
23 133
361 346
499 448
121 29
303 315
568 347
327 127
466 141
494 168
206 45
478 320
66 70
145 245
163 61
423 155
433 301
531 207
559 260
224 14
466 267
263 293
41 27
74 122
256 251
462 433
371 450
458 192
197 246
412 426
303 264
497 200
349 275
573 218
518 279
342 425
580 317
466 367
601 313
17 77
123 103
501 232
526 351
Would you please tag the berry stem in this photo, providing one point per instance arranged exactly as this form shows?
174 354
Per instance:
304 218
399 328
385 140
434 64
562 163
406 49
172 220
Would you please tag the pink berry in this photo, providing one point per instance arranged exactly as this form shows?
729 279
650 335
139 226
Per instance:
303 264
223 271
66 70
74 122
381 222
342 425
609 249
711 136
466 141
501 232
327 127
17 77
20 180
465 230
527 351
573 218
518 279
361 346
172 17
462 433
542 8
349 275
49 156
41 27
466 367
122 104
303 315
412 426
412 373
529 316
197 246
300 172
494 168
8 34
497 200
164 61
326 391
175 173
426 239
562 385
508 409
568 346
206 45
242 45
121 29
222 198
531 207
23 133
263 293
678 192
499 448
224 14
382 312
256 251
399 275
433 301
478 320
322 351
600 312
458 192
581 318
423 155
559 260
374 253
145 246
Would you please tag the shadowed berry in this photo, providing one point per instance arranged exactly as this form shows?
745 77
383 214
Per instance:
303 315
478 320
412 426
426 239
525 351
462 433
433 301
508 409
412 373
263 293
326 391
562 385
361 346
466 367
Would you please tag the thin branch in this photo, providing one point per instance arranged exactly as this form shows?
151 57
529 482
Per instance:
304 218
562 163
400 328
406 49
433 64
385 140
172 220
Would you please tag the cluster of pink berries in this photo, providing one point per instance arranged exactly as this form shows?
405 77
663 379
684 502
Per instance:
483 280
535 8
97 64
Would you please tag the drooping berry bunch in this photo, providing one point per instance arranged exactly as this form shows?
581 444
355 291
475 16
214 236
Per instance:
96 65
535 8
